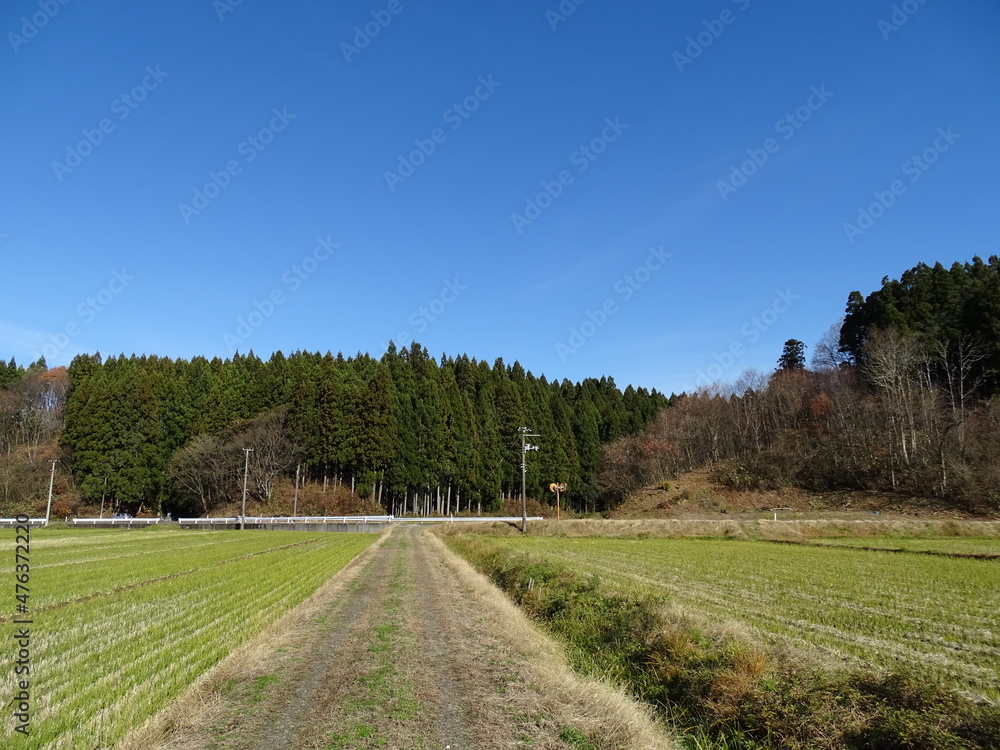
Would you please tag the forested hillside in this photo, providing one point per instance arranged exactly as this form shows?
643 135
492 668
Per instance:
949 316
902 397
406 431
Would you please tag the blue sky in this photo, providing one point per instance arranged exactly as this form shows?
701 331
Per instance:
650 192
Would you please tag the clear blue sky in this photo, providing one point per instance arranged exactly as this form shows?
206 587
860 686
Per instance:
237 143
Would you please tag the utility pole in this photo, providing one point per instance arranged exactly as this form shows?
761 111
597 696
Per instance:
104 492
52 480
295 502
246 468
525 447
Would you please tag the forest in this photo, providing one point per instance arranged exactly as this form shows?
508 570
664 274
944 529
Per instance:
900 396
403 433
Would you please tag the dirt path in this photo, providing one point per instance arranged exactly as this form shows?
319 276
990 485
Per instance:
416 651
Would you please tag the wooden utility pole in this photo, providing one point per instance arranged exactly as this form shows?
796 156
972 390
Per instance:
525 432
103 494
295 502
246 467
52 479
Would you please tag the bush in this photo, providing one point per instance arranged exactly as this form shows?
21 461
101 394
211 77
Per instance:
759 472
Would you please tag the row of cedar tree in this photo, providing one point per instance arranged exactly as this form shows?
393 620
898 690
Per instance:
406 432
903 395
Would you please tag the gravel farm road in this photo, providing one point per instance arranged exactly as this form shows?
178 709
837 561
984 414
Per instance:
407 648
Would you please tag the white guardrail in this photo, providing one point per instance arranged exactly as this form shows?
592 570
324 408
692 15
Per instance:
279 519
15 522
350 519
318 519
287 519
467 519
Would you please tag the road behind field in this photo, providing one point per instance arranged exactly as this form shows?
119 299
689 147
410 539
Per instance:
410 649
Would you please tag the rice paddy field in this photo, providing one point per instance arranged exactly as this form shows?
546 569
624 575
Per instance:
845 604
981 546
124 621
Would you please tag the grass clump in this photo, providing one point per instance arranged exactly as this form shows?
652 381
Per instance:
575 738
261 685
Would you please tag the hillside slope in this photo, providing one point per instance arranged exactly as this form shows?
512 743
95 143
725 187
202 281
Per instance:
696 496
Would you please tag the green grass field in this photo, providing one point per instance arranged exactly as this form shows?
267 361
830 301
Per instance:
856 606
123 621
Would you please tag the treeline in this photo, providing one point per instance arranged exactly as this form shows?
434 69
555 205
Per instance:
407 432
902 397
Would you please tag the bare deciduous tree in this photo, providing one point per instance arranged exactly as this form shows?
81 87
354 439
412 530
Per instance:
203 471
273 454
826 352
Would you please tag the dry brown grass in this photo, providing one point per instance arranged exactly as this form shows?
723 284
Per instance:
766 529
695 495
610 719
739 680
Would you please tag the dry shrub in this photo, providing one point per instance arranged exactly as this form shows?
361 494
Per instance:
336 500
734 684
512 507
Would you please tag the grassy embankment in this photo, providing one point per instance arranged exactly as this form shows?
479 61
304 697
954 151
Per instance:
659 620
